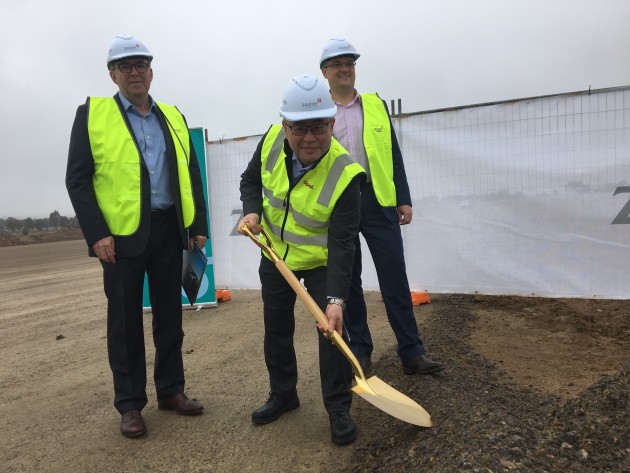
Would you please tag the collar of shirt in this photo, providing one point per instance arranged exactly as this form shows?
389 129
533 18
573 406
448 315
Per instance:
356 98
298 169
129 107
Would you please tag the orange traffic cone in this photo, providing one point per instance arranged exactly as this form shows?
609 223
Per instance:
418 298
223 295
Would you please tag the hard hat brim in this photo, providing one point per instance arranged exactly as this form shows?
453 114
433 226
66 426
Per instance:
312 115
342 53
118 57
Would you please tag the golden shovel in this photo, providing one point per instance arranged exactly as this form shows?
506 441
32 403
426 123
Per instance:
373 390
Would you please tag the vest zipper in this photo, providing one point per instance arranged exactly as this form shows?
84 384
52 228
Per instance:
285 204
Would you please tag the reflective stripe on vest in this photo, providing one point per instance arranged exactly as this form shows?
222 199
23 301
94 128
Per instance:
117 165
298 222
377 139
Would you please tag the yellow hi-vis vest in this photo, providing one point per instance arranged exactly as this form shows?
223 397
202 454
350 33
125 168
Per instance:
377 139
297 219
117 164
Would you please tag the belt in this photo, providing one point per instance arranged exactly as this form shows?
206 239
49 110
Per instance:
162 212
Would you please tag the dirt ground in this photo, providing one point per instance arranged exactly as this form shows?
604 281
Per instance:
532 384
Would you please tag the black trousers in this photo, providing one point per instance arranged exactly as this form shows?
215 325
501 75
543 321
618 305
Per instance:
123 282
279 303
381 230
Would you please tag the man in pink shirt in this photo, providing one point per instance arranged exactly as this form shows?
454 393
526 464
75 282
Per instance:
364 128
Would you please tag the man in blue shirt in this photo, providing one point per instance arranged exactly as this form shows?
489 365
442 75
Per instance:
135 185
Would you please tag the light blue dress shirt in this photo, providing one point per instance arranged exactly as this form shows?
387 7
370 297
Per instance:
150 139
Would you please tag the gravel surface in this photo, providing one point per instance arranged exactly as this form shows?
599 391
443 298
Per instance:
483 422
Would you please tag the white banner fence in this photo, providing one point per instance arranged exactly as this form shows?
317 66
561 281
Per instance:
524 197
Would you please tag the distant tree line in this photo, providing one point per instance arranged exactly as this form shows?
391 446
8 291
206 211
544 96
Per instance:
55 221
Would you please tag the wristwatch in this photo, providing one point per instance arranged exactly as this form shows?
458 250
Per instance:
337 300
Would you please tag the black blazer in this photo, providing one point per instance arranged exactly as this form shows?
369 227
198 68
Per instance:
79 175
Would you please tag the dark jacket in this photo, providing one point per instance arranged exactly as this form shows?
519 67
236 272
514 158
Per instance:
79 175
344 220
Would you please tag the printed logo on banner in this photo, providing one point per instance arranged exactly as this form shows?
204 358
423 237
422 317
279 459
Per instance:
624 214
234 231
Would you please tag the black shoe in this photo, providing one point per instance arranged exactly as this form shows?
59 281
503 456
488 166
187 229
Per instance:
421 365
342 428
274 408
366 364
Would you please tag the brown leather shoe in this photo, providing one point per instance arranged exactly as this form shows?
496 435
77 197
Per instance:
132 424
181 404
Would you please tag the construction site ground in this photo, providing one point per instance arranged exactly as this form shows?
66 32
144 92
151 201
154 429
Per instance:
532 384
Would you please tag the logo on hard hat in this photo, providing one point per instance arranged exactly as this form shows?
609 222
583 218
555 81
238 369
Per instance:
312 104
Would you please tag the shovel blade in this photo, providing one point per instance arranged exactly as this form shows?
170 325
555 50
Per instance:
393 402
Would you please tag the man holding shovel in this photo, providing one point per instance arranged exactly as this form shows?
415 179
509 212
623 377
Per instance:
303 189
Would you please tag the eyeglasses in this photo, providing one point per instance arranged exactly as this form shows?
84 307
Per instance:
125 67
300 130
339 65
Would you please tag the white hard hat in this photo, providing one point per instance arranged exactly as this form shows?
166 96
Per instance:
306 98
127 45
338 47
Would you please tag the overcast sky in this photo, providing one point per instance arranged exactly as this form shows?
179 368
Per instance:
225 64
